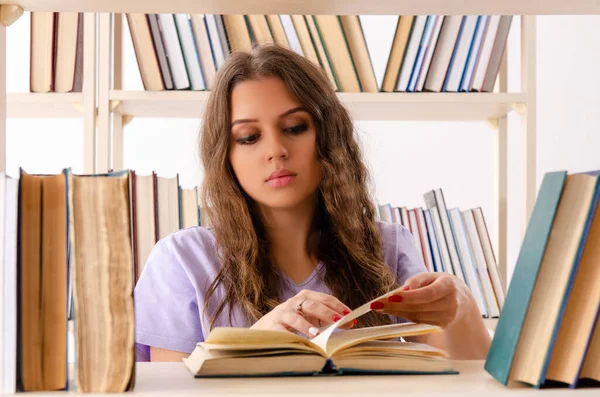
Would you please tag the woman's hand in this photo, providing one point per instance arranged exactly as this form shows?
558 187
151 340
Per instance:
433 298
316 310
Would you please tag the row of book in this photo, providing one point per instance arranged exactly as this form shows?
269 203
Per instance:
56 52
549 331
180 51
456 242
429 53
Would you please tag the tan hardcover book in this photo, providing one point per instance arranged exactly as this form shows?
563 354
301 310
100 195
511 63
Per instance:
42 52
43 289
330 30
580 314
591 363
237 33
204 50
306 42
551 287
189 208
103 282
145 219
277 31
251 352
359 51
67 26
167 203
78 73
260 29
320 48
490 258
145 53
397 53
204 218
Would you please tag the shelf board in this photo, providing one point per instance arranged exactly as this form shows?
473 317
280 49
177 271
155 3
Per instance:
362 106
311 7
41 105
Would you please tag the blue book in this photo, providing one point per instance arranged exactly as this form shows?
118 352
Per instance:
416 71
506 336
452 58
435 249
474 50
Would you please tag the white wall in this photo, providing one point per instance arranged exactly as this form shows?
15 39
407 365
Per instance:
406 159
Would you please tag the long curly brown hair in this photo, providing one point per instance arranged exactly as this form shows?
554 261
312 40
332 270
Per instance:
348 240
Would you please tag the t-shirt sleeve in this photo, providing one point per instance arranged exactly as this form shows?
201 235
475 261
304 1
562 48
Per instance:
402 255
166 305
409 260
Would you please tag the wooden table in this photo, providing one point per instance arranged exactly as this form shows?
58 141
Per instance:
174 379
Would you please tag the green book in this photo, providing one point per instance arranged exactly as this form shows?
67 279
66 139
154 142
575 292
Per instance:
510 323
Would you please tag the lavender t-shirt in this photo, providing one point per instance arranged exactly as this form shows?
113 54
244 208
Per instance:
169 296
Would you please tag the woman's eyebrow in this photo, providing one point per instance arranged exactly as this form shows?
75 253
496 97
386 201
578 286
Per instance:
241 121
294 110
286 113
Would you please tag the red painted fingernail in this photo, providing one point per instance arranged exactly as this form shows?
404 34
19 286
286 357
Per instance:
354 322
406 288
346 312
336 318
377 305
395 299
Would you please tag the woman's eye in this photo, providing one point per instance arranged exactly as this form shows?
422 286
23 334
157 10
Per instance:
247 140
297 129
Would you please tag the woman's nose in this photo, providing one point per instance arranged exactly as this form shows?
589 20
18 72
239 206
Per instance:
276 148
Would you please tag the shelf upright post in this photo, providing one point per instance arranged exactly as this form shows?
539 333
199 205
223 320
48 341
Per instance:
528 119
89 93
117 117
501 178
2 98
8 15
104 69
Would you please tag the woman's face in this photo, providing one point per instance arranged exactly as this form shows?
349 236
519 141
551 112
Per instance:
273 148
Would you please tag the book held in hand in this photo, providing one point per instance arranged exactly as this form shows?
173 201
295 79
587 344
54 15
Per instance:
238 352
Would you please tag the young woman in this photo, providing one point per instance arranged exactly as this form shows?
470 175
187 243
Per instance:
294 242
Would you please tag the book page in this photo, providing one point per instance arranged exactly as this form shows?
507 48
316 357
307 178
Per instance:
321 339
252 346
347 338
263 339
386 348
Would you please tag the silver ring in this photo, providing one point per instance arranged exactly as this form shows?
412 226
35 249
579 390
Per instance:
299 307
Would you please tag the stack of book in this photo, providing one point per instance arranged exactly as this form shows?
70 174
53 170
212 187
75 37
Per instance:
549 332
456 242
56 55
429 52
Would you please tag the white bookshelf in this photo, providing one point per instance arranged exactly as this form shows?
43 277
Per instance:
106 108
50 105
363 106
338 7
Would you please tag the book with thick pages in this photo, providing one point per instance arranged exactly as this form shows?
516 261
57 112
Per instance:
42 283
241 352
103 281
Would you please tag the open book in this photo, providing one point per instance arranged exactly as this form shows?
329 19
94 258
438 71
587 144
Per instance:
250 352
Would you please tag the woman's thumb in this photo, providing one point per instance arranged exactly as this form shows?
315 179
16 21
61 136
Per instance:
419 280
